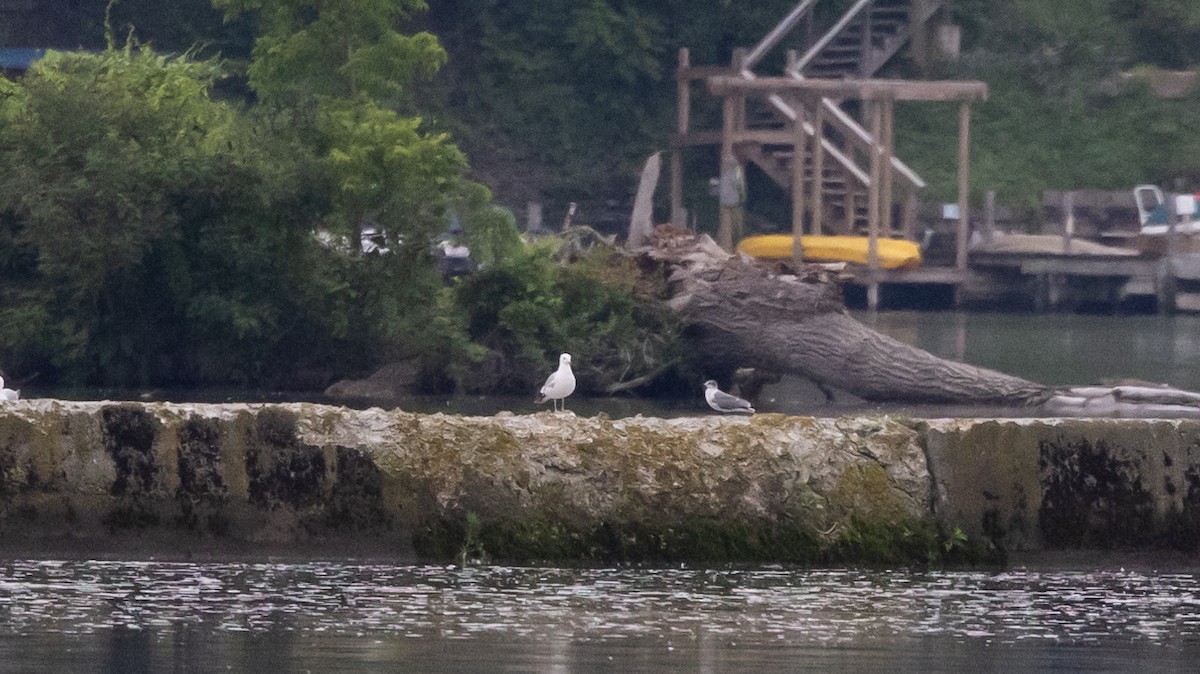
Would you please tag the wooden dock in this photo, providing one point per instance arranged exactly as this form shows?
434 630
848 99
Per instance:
1048 282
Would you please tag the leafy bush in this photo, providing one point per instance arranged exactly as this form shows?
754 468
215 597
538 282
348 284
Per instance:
528 308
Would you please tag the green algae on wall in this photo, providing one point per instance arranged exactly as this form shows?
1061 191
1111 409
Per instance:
544 487
1068 484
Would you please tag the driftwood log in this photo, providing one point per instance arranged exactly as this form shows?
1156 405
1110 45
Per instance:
753 315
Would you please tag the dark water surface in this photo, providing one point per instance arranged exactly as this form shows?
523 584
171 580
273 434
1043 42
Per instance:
1057 349
321 617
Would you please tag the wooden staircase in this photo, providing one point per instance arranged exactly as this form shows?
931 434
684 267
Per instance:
854 46
869 39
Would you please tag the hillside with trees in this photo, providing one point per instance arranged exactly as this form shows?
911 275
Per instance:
164 192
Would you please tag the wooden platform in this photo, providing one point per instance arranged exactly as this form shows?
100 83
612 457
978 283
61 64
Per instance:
1050 282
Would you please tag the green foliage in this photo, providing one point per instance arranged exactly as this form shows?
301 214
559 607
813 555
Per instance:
98 153
577 82
308 48
528 308
348 66
585 89
490 231
159 236
1059 114
382 167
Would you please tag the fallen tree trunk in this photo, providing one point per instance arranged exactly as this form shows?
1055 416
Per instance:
745 314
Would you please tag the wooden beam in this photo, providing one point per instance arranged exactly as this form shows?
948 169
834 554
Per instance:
818 197
693 73
909 215
684 105
873 192
764 136
886 145
801 145
867 89
778 33
728 127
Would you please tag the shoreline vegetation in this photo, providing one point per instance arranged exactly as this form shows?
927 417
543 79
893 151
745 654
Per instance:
162 214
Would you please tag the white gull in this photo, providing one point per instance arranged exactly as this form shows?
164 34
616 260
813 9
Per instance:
723 402
558 385
7 393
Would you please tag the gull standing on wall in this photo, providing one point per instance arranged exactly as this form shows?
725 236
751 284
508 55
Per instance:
558 385
723 402
7 393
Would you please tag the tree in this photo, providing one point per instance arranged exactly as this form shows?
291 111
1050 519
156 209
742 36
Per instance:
1165 33
576 85
309 49
159 236
347 63
743 314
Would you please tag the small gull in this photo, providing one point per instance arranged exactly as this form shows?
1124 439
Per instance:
7 393
558 385
723 402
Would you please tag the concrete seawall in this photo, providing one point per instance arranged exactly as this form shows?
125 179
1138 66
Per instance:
196 480
1065 484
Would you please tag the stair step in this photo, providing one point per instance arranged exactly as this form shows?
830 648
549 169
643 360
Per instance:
889 16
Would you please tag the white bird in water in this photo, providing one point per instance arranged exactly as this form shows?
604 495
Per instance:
7 393
558 385
723 402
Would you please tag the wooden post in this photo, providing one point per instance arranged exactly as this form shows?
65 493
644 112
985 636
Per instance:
739 59
920 37
800 150
873 191
873 197
864 47
885 189
989 216
533 216
849 195
728 128
964 167
818 167
1168 285
1068 220
792 57
1172 219
684 105
733 120
909 215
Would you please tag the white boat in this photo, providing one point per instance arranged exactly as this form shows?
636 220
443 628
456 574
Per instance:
1155 213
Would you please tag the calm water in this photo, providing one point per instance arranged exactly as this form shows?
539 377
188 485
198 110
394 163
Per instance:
1057 349
126 616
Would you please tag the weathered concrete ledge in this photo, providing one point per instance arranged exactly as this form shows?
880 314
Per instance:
1069 484
178 480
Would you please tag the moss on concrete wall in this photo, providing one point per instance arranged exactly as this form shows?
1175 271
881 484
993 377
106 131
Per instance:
191 479
1054 484
305 479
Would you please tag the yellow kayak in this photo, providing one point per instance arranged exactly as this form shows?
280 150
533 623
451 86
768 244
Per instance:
893 253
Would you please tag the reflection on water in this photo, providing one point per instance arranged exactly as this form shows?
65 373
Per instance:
1057 349
59 616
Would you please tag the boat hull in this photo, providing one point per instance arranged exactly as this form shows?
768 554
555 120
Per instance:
893 253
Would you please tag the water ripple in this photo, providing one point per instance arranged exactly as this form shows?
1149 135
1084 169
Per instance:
601 605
